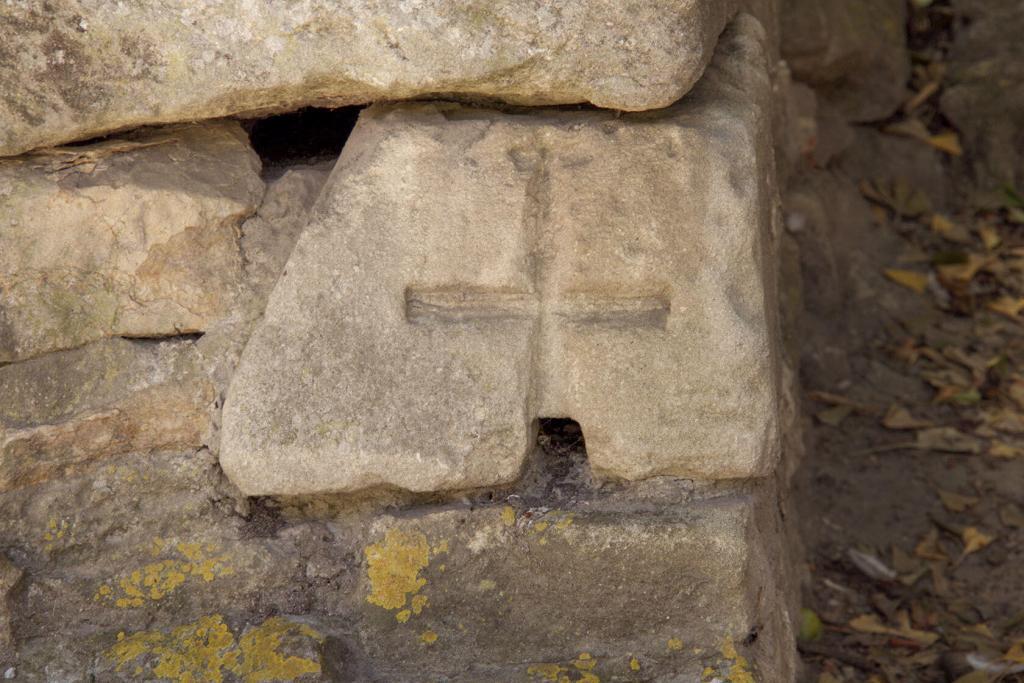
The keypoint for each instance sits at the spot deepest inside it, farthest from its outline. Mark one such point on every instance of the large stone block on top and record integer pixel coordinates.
(132, 237)
(74, 69)
(467, 271)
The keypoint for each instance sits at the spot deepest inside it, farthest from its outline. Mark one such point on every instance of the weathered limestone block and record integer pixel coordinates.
(468, 271)
(60, 412)
(500, 594)
(134, 237)
(75, 69)
(131, 560)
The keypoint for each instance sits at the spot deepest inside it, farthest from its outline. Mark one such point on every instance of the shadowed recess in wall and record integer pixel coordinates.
(307, 136)
(561, 458)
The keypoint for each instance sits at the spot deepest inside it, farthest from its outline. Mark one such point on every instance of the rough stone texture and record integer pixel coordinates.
(269, 237)
(138, 568)
(9, 576)
(853, 53)
(472, 271)
(76, 69)
(134, 237)
(984, 97)
(125, 562)
(62, 411)
(446, 595)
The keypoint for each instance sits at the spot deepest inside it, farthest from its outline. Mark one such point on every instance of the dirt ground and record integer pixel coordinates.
(911, 495)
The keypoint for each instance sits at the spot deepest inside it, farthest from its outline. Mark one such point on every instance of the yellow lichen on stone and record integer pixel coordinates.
(565, 522)
(731, 668)
(157, 580)
(402, 616)
(428, 637)
(561, 674)
(508, 515)
(260, 659)
(56, 530)
(129, 648)
(634, 664)
(556, 520)
(585, 662)
(418, 602)
(394, 567)
(206, 649)
(197, 652)
(547, 672)
(201, 564)
(675, 644)
(739, 671)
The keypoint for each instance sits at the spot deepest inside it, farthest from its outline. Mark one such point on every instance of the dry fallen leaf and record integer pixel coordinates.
(990, 237)
(833, 416)
(962, 273)
(954, 232)
(975, 540)
(910, 279)
(898, 417)
(1016, 392)
(1001, 449)
(1005, 420)
(929, 89)
(910, 128)
(981, 629)
(928, 547)
(1016, 653)
(954, 502)
(869, 623)
(896, 195)
(947, 440)
(948, 142)
(1006, 305)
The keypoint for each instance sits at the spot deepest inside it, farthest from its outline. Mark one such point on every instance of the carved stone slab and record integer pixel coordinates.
(468, 271)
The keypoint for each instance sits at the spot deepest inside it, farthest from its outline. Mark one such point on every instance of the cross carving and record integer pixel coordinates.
(545, 303)
(464, 304)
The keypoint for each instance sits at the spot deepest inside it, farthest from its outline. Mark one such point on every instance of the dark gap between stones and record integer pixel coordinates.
(157, 338)
(306, 136)
(561, 458)
(561, 437)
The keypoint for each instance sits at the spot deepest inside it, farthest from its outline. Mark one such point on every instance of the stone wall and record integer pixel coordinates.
(501, 392)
